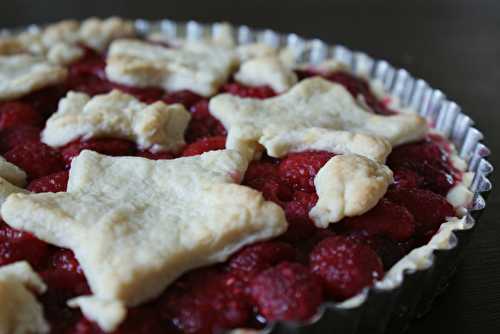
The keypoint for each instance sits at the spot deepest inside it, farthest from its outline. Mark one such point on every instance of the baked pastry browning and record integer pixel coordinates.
(196, 181)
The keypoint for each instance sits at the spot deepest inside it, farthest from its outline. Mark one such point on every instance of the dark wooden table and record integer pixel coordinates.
(453, 44)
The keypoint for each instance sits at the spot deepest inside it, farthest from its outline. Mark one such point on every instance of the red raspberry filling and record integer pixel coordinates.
(253, 259)
(287, 292)
(17, 246)
(387, 219)
(15, 114)
(52, 183)
(108, 146)
(423, 165)
(206, 301)
(204, 145)
(155, 156)
(297, 170)
(202, 123)
(300, 226)
(12, 137)
(185, 97)
(46, 100)
(429, 209)
(36, 159)
(258, 92)
(281, 279)
(345, 266)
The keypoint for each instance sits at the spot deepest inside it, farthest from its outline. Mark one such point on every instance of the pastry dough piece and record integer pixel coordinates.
(12, 173)
(20, 312)
(198, 67)
(313, 102)
(157, 127)
(348, 185)
(279, 144)
(64, 53)
(135, 225)
(7, 188)
(98, 33)
(266, 71)
(23, 74)
(59, 42)
(255, 50)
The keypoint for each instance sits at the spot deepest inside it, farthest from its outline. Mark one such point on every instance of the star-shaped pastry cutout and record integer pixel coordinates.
(156, 127)
(135, 225)
(20, 312)
(23, 74)
(198, 67)
(12, 178)
(313, 102)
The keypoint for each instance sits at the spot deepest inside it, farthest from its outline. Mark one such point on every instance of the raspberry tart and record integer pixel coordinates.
(155, 179)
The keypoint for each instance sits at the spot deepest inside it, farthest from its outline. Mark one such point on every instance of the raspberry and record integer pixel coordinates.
(64, 283)
(429, 163)
(261, 169)
(359, 87)
(202, 123)
(92, 63)
(256, 258)
(271, 188)
(64, 275)
(300, 226)
(12, 137)
(388, 250)
(65, 279)
(64, 259)
(45, 101)
(85, 326)
(15, 114)
(108, 146)
(88, 75)
(36, 159)
(406, 178)
(140, 320)
(185, 97)
(345, 266)
(205, 145)
(287, 291)
(52, 183)
(423, 151)
(435, 179)
(259, 92)
(429, 209)
(16, 246)
(385, 219)
(306, 245)
(89, 85)
(298, 170)
(143, 320)
(155, 156)
(206, 301)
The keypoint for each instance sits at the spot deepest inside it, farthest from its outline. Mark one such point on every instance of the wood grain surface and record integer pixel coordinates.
(453, 44)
